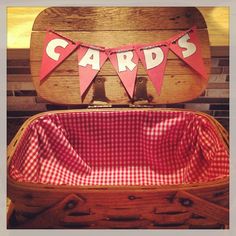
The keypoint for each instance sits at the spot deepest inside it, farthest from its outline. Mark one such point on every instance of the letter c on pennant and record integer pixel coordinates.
(52, 45)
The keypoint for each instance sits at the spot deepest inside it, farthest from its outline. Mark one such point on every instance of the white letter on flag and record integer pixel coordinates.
(52, 45)
(91, 57)
(124, 60)
(153, 57)
(191, 48)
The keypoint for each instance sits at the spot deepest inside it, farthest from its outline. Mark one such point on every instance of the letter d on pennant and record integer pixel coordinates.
(153, 58)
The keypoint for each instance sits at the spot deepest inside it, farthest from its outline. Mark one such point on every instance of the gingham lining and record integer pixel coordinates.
(120, 148)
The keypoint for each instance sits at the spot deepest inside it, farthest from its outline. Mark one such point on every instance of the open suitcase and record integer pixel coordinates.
(119, 163)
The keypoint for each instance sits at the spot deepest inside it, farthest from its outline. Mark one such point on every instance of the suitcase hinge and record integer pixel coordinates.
(141, 97)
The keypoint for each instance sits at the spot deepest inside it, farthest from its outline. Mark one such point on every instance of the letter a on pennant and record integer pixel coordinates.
(154, 58)
(187, 47)
(91, 59)
(56, 49)
(125, 62)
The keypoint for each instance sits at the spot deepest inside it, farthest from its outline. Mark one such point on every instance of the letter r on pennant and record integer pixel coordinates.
(124, 60)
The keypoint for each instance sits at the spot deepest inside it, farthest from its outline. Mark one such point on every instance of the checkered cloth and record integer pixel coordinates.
(120, 148)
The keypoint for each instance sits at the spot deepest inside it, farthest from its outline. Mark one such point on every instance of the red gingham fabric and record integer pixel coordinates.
(120, 148)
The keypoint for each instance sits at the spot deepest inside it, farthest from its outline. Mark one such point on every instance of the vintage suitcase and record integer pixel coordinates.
(119, 163)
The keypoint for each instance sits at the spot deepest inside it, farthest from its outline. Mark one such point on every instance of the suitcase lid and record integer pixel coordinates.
(113, 27)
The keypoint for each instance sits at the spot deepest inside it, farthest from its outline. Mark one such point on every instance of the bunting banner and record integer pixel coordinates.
(124, 59)
(125, 62)
(55, 50)
(154, 58)
(90, 61)
(187, 47)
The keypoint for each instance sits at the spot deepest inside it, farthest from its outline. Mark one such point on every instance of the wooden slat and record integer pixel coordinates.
(25, 103)
(20, 86)
(84, 218)
(176, 88)
(22, 63)
(165, 218)
(29, 209)
(115, 39)
(18, 70)
(124, 211)
(18, 54)
(139, 224)
(117, 18)
(205, 208)
(19, 78)
(220, 51)
(218, 86)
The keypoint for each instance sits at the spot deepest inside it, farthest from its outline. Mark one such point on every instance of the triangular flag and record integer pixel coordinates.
(154, 58)
(55, 50)
(91, 59)
(125, 61)
(186, 46)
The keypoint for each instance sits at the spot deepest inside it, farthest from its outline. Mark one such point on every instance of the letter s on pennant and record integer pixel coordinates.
(190, 47)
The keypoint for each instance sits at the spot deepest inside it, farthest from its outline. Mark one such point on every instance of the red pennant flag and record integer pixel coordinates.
(154, 58)
(125, 62)
(186, 46)
(55, 50)
(91, 60)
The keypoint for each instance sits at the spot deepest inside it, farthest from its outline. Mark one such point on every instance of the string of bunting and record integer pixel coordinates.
(124, 59)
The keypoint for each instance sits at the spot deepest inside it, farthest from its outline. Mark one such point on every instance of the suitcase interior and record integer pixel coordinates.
(120, 148)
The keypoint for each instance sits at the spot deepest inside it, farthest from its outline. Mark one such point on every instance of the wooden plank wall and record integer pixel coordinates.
(23, 101)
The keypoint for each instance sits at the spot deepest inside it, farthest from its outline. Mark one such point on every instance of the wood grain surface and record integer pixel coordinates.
(20, 21)
(118, 18)
(112, 27)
